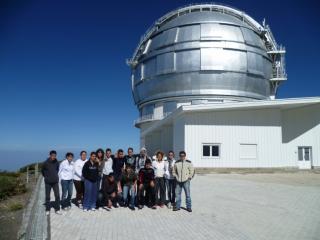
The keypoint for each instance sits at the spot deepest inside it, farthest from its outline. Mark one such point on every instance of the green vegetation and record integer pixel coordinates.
(11, 184)
(15, 207)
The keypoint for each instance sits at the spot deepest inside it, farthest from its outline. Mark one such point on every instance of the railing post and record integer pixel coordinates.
(36, 171)
(27, 175)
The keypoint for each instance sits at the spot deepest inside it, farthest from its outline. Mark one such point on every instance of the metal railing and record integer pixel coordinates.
(151, 117)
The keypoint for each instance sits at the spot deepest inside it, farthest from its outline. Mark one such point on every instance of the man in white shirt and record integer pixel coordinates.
(78, 179)
(107, 165)
(66, 172)
(160, 170)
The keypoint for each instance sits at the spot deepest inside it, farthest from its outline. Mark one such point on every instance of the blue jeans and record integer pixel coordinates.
(67, 187)
(186, 187)
(125, 191)
(90, 194)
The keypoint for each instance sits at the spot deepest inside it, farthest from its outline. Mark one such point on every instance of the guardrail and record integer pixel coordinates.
(151, 117)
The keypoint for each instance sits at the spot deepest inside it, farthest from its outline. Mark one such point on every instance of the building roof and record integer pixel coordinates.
(283, 104)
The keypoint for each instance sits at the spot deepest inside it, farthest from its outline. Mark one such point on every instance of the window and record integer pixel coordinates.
(304, 153)
(248, 150)
(211, 150)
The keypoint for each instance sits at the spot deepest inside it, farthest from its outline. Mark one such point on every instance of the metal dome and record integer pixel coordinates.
(204, 53)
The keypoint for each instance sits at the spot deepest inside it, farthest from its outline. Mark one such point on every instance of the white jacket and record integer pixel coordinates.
(78, 165)
(160, 168)
(66, 170)
(107, 168)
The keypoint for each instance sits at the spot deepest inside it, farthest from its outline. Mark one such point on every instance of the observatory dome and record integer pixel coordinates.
(199, 54)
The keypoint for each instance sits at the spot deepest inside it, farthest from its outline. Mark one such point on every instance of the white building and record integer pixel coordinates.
(260, 134)
(204, 79)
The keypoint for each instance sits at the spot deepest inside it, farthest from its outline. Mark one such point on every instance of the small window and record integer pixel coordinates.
(211, 150)
(215, 151)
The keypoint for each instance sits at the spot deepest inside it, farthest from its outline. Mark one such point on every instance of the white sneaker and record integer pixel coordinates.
(93, 209)
(80, 206)
(47, 213)
(85, 210)
(59, 212)
(169, 205)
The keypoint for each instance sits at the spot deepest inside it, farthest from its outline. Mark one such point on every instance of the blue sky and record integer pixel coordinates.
(64, 83)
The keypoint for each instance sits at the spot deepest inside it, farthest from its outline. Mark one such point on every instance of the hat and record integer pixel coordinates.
(143, 149)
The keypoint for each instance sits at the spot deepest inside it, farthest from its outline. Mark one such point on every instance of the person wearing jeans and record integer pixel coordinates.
(66, 171)
(90, 173)
(170, 179)
(50, 169)
(183, 171)
(129, 182)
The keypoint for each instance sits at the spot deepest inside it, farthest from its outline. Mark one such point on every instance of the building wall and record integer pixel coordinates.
(179, 135)
(301, 127)
(159, 140)
(230, 129)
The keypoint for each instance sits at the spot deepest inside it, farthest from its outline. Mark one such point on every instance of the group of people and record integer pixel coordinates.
(106, 180)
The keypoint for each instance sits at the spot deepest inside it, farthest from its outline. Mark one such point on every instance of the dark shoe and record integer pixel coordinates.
(132, 208)
(154, 207)
(189, 209)
(176, 209)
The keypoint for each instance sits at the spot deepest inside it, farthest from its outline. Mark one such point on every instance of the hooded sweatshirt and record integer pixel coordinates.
(90, 171)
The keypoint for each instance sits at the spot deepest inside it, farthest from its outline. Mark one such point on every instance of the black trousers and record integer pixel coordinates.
(55, 187)
(146, 195)
(171, 190)
(79, 185)
(160, 190)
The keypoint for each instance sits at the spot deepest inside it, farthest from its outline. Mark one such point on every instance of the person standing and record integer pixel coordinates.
(141, 159)
(107, 165)
(50, 169)
(100, 161)
(130, 159)
(183, 171)
(90, 173)
(66, 172)
(118, 168)
(129, 182)
(160, 170)
(78, 179)
(146, 193)
(170, 179)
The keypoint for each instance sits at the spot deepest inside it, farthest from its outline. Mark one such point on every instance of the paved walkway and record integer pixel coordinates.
(225, 206)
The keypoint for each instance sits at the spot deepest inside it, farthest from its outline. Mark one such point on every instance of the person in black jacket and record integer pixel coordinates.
(110, 189)
(146, 184)
(50, 171)
(90, 173)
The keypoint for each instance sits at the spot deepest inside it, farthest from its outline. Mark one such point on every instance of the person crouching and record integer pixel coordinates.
(110, 189)
(146, 184)
(129, 182)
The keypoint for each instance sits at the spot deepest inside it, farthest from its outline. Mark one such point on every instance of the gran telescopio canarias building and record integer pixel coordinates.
(205, 79)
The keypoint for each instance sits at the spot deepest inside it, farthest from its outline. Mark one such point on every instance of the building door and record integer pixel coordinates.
(305, 157)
